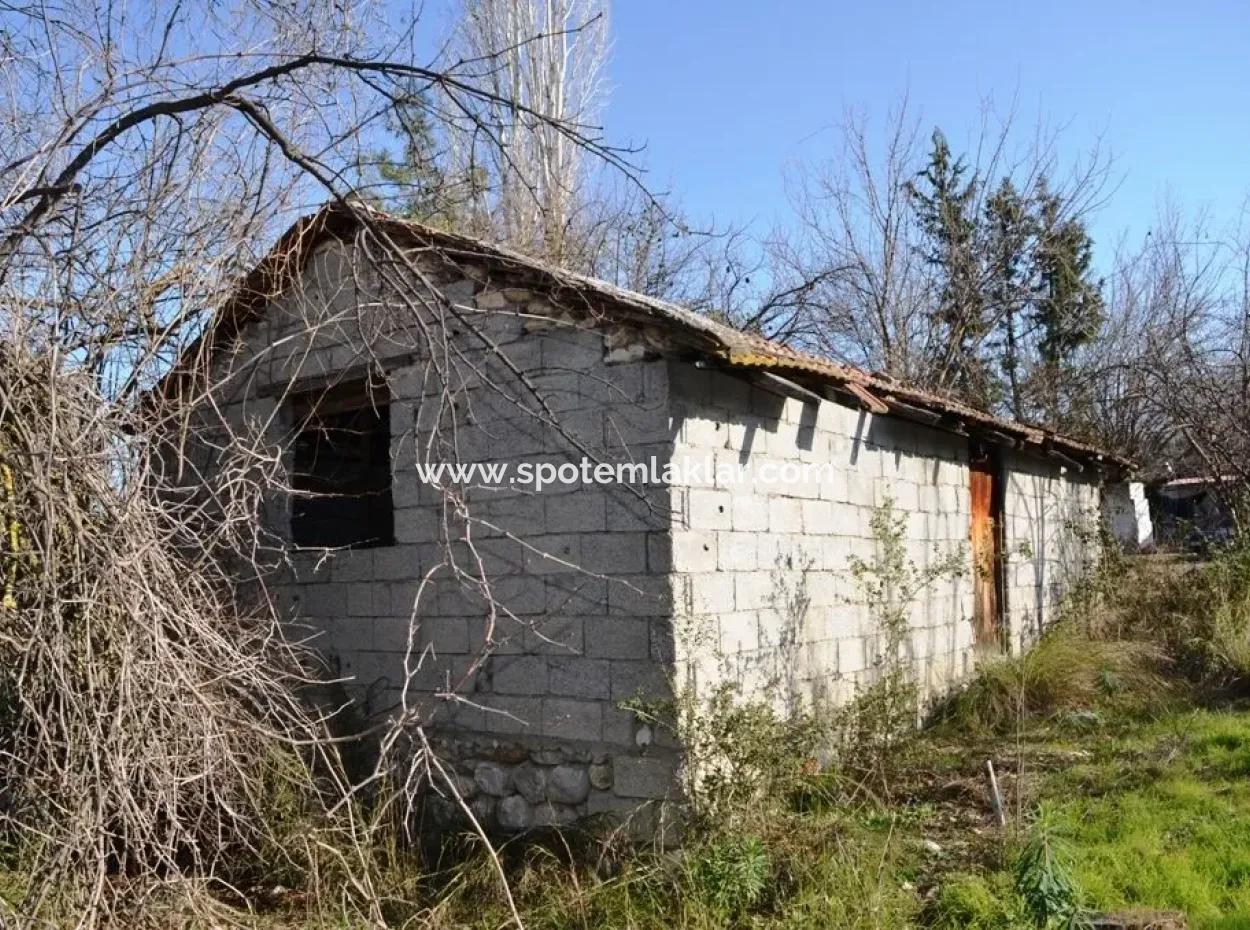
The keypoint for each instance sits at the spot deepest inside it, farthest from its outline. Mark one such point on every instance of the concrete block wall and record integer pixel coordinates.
(1051, 519)
(517, 621)
(767, 598)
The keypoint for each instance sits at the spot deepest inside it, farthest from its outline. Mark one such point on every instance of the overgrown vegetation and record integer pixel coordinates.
(1120, 795)
(1067, 672)
(888, 586)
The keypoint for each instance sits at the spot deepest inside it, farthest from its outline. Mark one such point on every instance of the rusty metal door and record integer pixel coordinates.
(987, 549)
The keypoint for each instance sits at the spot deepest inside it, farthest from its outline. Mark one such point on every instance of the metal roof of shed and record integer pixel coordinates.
(729, 347)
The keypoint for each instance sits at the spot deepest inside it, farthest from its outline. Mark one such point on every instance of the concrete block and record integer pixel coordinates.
(663, 647)
(739, 631)
(522, 595)
(617, 637)
(329, 600)
(694, 551)
(711, 593)
(818, 518)
(710, 509)
(640, 596)
(571, 719)
(403, 598)
(643, 777)
(518, 512)
(556, 636)
(518, 674)
(506, 636)
(626, 512)
(750, 513)
(418, 524)
(390, 635)
(614, 553)
(395, 563)
(579, 677)
(737, 552)
(618, 726)
(573, 350)
(638, 432)
(704, 432)
(352, 565)
(647, 680)
(360, 598)
(754, 591)
(861, 488)
(445, 635)
(576, 593)
(560, 552)
(582, 511)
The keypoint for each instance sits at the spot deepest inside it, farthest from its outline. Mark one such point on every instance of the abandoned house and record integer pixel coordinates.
(536, 616)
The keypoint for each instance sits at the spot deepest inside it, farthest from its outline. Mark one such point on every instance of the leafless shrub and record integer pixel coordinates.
(156, 756)
(154, 749)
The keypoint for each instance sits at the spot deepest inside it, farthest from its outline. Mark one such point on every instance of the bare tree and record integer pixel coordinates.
(546, 56)
(149, 692)
(1171, 376)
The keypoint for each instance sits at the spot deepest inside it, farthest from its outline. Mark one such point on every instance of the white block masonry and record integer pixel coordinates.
(1126, 515)
(767, 599)
(523, 623)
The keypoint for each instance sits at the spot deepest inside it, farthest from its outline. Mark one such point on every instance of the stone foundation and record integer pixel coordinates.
(512, 787)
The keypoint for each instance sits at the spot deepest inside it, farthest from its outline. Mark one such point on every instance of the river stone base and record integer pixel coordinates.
(514, 787)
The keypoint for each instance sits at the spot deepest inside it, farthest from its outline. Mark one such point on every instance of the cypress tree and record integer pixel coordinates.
(1069, 306)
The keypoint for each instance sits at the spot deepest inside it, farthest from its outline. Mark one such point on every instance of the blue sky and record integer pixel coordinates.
(726, 94)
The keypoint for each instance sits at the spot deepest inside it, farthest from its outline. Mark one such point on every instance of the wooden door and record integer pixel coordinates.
(987, 550)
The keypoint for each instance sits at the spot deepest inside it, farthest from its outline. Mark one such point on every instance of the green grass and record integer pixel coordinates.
(1161, 818)
(1154, 814)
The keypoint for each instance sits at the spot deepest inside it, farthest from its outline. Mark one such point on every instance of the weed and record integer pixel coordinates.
(742, 758)
(888, 585)
(1044, 881)
(977, 902)
(1199, 613)
(730, 875)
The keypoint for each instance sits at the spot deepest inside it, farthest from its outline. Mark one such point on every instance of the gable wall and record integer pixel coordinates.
(578, 609)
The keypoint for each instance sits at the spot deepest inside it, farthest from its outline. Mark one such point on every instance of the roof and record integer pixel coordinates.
(716, 342)
(1198, 481)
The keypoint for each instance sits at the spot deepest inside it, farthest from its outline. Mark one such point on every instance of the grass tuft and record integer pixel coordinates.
(1067, 671)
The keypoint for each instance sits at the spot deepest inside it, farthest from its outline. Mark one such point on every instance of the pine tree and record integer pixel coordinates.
(944, 203)
(1069, 307)
(417, 182)
(1008, 236)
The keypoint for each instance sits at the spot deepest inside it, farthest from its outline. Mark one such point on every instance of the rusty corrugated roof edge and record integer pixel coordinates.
(734, 348)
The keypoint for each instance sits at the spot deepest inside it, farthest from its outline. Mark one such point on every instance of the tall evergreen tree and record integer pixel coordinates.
(1069, 307)
(418, 182)
(944, 201)
(1008, 238)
